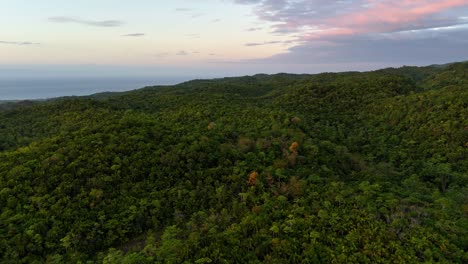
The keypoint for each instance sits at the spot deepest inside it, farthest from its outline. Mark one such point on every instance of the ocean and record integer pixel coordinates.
(43, 88)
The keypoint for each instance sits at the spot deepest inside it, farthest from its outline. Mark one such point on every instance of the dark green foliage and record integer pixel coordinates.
(330, 168)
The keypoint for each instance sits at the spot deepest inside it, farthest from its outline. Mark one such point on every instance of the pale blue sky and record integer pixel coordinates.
(176, 32)
(226, 37)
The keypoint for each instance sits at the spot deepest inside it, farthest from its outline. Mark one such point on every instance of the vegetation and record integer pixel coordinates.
(333, 168)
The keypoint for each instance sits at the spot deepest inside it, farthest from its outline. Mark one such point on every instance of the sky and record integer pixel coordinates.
(226, 37)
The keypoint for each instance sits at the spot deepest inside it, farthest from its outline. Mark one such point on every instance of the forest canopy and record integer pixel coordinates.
(348, 167)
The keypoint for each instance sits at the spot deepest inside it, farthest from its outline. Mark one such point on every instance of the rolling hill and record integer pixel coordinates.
(348, 167)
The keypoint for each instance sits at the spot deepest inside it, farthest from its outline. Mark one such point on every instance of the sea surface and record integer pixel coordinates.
(43, 88)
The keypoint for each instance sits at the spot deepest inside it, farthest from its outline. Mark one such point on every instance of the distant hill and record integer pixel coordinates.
(10, 104)
(354, 167)
(7, 101)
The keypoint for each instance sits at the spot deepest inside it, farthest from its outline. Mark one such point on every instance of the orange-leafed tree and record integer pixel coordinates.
(294, 146)
(252, 178)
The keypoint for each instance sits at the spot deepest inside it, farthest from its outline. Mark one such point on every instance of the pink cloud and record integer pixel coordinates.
(329, 32)
(323, 18)
(438, 6)
(368, 31)
(386, 16)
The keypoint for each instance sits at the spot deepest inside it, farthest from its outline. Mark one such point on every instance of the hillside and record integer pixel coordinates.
(330, 168)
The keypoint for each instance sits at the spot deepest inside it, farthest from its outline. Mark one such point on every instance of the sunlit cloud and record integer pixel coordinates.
(353, 17)
(95, 23)
(134, 35)
(366, 30)
(254, 29)
(18, 43)
(182, 53)
(253, 44)
(162, 54)
(193, 35)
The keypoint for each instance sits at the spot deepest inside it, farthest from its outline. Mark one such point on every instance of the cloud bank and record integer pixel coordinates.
(381, 31)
